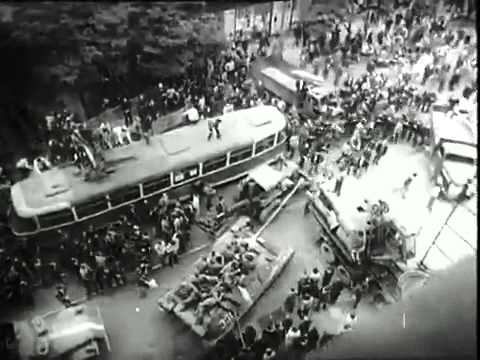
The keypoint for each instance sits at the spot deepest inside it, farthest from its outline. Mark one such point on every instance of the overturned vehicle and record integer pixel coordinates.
(75, 333)
(363, 241)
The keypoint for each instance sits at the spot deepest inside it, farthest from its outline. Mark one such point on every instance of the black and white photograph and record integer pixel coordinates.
(234, 180)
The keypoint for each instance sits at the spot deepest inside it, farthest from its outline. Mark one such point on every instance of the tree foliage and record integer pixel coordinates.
(115, 37)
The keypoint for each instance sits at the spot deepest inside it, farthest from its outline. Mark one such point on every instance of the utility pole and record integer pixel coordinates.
(271, 19)
(292, 5)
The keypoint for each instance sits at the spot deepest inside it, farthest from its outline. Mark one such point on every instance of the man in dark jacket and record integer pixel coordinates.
(127, 111)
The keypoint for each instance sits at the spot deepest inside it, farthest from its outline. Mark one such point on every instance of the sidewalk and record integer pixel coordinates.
(115, 117)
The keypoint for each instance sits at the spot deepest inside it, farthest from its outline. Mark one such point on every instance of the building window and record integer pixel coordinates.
(241, 154)
(186, 174)
(214, 164)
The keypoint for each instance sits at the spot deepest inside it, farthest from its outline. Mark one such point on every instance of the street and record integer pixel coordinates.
(149, 333)
(445, 243)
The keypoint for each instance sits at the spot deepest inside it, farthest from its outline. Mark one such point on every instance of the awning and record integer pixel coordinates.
(266, 177)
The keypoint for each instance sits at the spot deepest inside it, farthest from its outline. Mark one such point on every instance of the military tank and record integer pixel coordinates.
(244, 267)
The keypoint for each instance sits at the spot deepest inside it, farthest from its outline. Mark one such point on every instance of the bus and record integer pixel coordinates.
(172, 163)
(453, 150)
(283, 85)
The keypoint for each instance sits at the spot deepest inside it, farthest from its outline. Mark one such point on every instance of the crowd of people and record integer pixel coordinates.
(103, 257)
(377, 112)
(210, 287)
(293, 330)
(374, 109)
(145, 237)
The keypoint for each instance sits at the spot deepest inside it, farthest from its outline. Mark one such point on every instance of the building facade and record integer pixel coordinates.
(270, 17)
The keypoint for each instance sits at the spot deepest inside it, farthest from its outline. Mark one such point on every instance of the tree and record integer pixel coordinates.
(61, 41)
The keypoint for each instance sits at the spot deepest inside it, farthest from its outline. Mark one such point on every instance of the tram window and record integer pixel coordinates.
(124, 195)
(241, 154)
(56, 218)
(214, 164)
(20, 224)
(265, 144)
(152, 186)
(91, 207)
(186, 174)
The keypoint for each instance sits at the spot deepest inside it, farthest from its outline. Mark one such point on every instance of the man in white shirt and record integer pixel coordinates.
(435, 192)
(122, 135)
(169, 253)
(292, 336)
(24, 164)
(350, 320)
(159, 247)
(175, 247)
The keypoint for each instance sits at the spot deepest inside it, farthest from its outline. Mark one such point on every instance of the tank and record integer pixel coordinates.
(75, 333)
(262, 265)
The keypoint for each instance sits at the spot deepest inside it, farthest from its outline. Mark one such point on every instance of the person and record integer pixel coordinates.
(188, 295)
(338, 184)
(306, 305)
(127, 111)
(269, 354)
(312, 338)
(357, 294)
(327, 276)
(62, 295)
(122, 135)
(290, 301)
(87, 275)
(169, 253)
(160, 250)
(209, 193)
(435, 192)
(293, 334)
(249, 335)
(406, 185)
(220, 207)
(175, 247)
(350, 319)
(304, 325)
(213, 125)
(142, 283)
(146, 125)
(468, 191)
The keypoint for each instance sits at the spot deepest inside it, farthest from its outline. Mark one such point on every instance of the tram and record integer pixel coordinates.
(172, 162)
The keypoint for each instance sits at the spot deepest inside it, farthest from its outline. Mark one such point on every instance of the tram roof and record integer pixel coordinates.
(59, 188)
